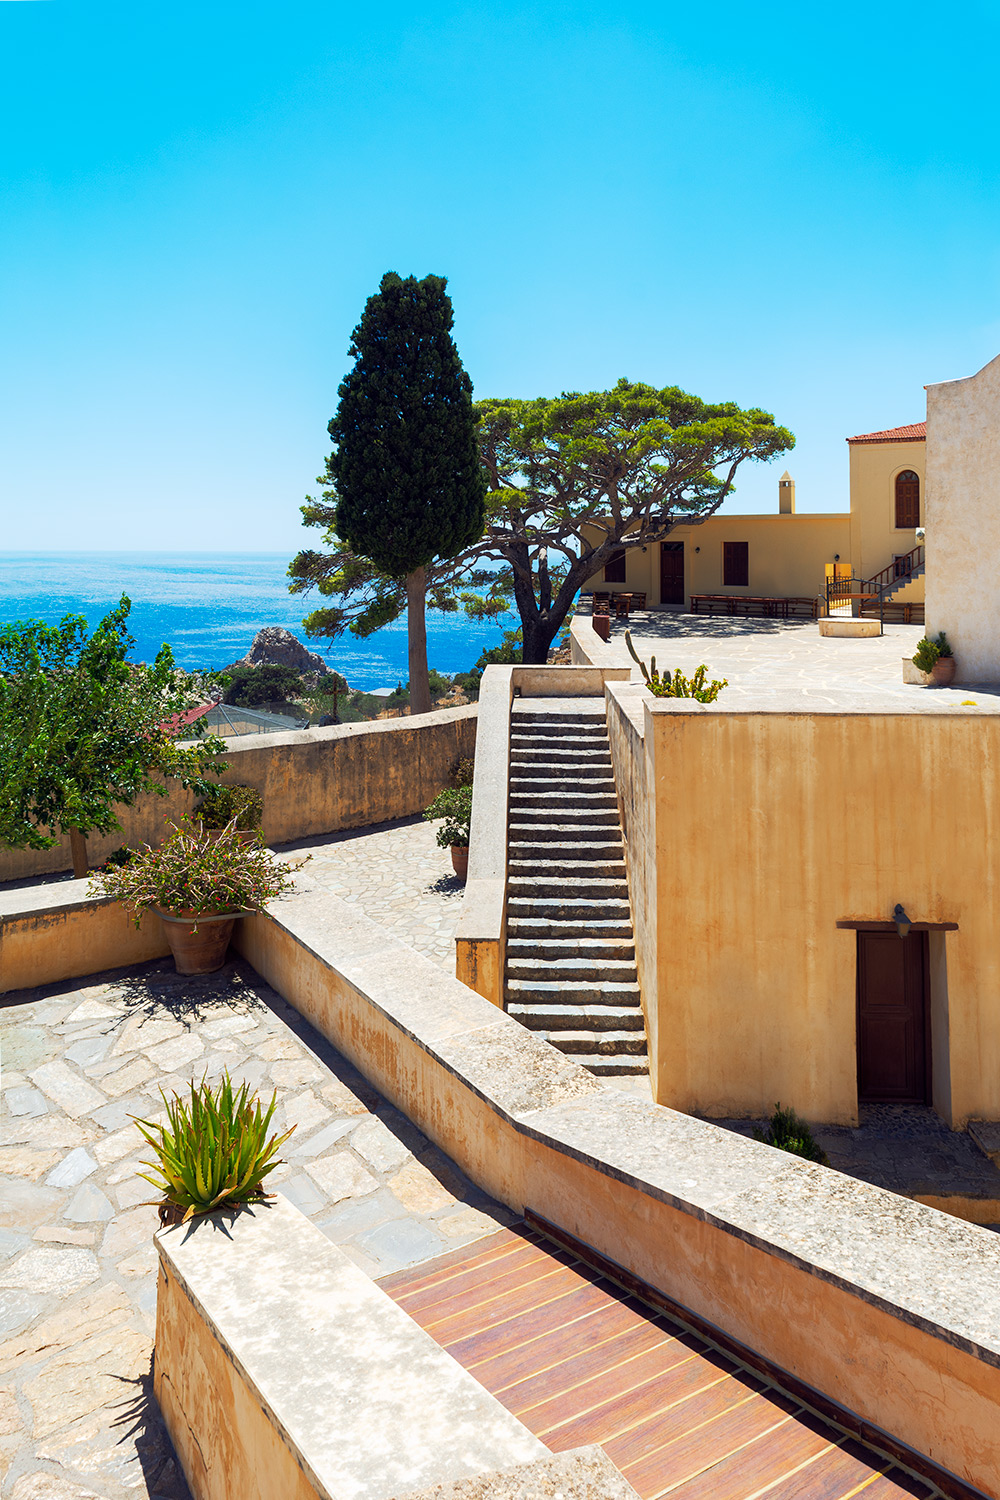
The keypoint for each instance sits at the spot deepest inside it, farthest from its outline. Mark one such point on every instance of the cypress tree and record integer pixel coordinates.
(410, 485)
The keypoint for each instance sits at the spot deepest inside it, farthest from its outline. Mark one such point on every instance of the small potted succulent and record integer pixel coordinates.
(198, 883)
(935, 657)
(454, 807)
(213, 1153)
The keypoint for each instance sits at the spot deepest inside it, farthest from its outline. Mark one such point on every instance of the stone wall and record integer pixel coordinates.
(313, 781)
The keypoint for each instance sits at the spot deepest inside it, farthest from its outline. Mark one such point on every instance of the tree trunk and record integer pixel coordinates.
(537, 637)
(416, 629)
(78, 851)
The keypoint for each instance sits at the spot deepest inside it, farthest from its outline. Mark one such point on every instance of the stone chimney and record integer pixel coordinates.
(786, 495)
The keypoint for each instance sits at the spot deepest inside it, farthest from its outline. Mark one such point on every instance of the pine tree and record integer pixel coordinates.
(410, 487)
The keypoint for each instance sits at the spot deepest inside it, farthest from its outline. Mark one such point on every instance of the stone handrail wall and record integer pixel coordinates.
(480, 939)
(885, 1305)
(313, 781)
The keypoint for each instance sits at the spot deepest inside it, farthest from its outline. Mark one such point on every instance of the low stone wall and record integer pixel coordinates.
(313, 781)
(884, 1305)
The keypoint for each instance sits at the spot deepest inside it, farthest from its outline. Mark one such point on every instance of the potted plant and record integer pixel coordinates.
(454, 806)
(935, 657)
(198, 884)
(211, 1154)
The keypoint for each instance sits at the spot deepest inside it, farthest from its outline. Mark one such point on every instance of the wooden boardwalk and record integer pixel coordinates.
(578, 1361)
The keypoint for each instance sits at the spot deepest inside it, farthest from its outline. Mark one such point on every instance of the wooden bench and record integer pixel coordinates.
(781, 608)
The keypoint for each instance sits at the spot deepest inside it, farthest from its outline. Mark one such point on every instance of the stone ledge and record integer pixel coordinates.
(580, 1474)
(365, 1402)
(856, 629)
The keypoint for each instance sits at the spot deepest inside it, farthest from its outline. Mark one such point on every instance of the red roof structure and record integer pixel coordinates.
(915, 433)
(177, 722)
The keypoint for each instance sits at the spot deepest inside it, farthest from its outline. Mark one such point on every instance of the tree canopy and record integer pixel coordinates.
(82, 729)
(572, 480)
(405, 468)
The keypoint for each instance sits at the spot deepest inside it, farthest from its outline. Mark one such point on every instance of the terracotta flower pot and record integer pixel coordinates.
(198, 944)
(460, 860)
(943, 671)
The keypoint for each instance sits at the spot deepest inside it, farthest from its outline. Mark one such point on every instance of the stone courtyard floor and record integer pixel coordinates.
(77, 1262)
(765, 660)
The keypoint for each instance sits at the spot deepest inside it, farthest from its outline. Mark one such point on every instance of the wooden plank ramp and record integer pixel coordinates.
(579, 1360)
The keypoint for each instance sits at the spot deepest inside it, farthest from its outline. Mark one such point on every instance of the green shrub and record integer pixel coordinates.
(249, 686)
(117, 857)
(788, 1133)
(454, 805)
(213, 1153)
(463, 771)
(928, 651)
(243, 805)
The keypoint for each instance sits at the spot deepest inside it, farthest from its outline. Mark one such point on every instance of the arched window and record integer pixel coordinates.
(907, 500)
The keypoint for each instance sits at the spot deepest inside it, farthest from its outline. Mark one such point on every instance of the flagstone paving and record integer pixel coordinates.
(77, 1262)
(398, 876)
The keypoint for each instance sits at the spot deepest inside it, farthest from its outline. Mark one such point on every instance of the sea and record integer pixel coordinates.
(209, 605)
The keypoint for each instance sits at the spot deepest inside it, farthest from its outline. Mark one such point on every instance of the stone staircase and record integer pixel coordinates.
(570, 951)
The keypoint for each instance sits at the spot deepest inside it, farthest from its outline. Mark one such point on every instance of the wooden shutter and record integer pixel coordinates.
(736, 564)
(614, 568)
(907, 500)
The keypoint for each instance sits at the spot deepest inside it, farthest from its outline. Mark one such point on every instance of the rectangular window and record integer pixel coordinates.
(736, 564)
(614, 568)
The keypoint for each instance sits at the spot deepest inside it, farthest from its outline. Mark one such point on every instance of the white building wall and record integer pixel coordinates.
(963, 520)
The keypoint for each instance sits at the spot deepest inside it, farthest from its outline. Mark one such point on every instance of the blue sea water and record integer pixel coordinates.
(209, 606)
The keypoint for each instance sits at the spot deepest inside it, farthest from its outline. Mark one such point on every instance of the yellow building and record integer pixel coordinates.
(787, 556)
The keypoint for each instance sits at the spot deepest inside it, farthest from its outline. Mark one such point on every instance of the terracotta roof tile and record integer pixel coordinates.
(915, 433)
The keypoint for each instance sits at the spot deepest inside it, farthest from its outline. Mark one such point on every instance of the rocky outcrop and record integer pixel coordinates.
(274, 646)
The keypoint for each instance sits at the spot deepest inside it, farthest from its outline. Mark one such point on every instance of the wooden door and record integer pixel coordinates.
(893, 1019)
(671, 572)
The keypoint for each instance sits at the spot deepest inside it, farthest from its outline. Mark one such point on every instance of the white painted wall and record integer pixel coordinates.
(963, 520)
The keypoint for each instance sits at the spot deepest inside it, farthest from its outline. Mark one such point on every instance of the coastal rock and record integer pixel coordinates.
(275, 646)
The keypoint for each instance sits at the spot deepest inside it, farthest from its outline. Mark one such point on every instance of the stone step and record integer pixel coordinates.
(598, 834)
(558, 782)
(550, 770)
(564, 759)
(542, 812)
(623, 1066)
(603, 1043)
(621, 949)
(521, 714)
(594, 970)
(542, 932)
(595, 730)
(568, 991)
(573, 1017)
(529, 886)
(547, 865)
(571, 799)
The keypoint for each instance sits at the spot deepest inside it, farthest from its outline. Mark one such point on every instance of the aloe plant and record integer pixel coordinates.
(213, 1153)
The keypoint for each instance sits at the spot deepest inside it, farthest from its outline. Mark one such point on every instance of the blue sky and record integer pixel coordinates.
(786, 206)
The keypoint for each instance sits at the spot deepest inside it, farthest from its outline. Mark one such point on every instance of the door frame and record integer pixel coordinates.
(674, 548)
(916, 931)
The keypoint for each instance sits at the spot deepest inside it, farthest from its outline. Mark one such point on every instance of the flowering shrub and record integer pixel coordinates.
(193, 872)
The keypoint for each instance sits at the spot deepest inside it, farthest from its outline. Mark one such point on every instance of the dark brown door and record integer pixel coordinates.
(893, 1019)
(907, 500)
(671, 572)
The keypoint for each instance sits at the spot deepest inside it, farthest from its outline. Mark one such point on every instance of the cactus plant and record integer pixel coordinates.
(674, 684)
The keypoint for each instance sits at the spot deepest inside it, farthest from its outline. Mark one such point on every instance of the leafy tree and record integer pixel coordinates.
(572, 481)
(405, 469)
(576, 479)
(268, 683)
(82, 729)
